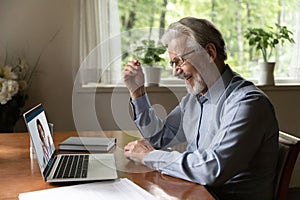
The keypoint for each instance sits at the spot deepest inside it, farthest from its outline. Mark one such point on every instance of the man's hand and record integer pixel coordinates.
(138, 150)
(133, 77)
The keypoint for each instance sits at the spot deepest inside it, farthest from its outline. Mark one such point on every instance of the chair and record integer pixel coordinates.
(289, 147)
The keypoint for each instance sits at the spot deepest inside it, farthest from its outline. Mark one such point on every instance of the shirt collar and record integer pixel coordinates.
(217, 89)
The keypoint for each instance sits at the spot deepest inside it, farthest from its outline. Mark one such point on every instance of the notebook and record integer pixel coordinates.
(65, 167)
(88, 144)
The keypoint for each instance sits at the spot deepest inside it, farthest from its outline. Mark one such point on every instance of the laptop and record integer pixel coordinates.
(65, 167)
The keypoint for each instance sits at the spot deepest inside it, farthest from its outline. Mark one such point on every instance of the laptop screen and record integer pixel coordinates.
(41, 137)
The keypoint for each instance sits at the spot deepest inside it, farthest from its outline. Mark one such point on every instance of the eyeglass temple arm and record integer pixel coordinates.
(185, 54)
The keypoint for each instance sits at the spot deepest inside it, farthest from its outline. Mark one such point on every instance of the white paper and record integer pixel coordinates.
(113, 190)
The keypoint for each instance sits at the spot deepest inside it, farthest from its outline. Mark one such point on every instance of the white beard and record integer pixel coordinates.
(199, 85)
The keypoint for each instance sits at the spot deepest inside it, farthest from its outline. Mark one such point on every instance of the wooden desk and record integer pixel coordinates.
(19, 172)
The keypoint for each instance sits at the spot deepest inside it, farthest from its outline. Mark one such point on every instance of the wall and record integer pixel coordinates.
(26, 26)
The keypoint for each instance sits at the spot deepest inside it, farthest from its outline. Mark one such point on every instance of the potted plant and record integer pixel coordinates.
(149, 54)
(265, 41)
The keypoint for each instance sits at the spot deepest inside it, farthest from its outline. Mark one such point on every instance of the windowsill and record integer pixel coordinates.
(121, 88)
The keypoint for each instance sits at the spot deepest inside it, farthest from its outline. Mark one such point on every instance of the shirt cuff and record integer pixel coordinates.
(152, 159)
(140, 105)
(163, 161)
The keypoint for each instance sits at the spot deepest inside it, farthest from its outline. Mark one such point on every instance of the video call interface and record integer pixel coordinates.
(41, 136)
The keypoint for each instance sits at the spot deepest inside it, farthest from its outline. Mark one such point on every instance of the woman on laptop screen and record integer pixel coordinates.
(45, 141)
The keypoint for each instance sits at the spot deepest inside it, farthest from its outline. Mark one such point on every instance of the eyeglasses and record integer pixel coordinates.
(178, 61)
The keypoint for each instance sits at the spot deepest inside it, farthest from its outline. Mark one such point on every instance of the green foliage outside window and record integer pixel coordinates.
(232, 17)
(266, 40)
(150, 53)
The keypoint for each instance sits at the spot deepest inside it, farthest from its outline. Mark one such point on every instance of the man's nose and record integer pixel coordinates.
(177, 70)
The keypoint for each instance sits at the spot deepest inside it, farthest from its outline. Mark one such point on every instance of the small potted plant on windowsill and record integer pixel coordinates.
(265, 41)
(149, 54)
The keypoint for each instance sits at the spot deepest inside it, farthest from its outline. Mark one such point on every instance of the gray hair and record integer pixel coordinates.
(200, 30)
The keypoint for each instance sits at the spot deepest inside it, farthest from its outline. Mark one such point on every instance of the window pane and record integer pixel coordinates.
(232, 17)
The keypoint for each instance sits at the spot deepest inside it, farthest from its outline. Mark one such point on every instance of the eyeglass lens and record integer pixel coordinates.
(179, 60)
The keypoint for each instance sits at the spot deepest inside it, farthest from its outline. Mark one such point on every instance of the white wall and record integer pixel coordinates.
(27, 25)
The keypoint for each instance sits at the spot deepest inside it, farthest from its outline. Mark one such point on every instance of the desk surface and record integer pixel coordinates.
(19, 172)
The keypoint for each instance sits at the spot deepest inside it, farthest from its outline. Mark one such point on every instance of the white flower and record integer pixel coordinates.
(7, 73)
(21, 69)
(12, 80)
(8, 88)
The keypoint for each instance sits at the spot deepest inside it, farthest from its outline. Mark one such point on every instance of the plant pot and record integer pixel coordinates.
(266, 73)
(152, 75)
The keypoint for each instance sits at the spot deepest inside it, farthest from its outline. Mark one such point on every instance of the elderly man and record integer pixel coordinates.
(229, 124)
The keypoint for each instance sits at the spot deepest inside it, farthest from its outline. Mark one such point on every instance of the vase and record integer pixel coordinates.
(152, 75)
(10, 113)
(266, 73)
(8, 118)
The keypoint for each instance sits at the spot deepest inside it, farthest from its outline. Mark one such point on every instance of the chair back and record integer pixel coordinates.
(289, 147)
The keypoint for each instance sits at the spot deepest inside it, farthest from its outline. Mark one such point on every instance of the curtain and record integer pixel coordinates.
(295, 59)
(99, 42)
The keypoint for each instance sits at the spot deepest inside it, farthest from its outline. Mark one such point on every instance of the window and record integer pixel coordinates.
(100, 43)
(146, 19)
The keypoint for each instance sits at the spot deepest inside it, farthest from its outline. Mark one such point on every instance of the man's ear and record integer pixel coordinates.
(211, 50)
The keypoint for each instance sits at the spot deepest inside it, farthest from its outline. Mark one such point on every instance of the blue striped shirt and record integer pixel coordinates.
(232, 137)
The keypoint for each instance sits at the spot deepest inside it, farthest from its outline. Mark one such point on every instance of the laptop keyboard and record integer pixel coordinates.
(72, 166)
